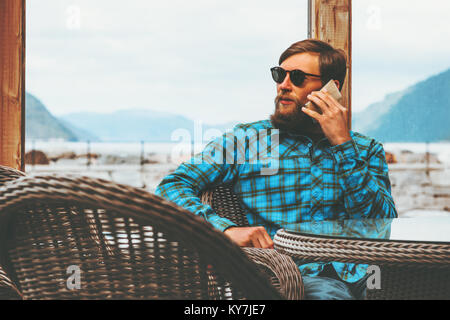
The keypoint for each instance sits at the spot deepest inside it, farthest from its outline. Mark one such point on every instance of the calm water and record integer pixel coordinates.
(52, 148)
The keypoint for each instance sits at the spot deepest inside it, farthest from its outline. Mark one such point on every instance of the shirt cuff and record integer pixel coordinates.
(220, 223)
(345, 151)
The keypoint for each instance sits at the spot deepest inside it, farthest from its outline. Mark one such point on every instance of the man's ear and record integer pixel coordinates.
(337, 84)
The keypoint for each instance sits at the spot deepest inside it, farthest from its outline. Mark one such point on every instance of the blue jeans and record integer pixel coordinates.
(328, 286)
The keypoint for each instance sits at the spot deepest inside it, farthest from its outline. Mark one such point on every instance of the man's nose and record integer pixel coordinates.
(286, 84)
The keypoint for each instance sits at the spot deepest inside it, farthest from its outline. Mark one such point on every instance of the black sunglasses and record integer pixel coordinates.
(297, 76)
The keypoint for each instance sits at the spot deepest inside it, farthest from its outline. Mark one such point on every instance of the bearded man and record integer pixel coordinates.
(324, 171)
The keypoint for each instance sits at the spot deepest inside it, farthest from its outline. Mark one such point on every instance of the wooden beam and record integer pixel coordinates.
(12, 83)
(331, 21)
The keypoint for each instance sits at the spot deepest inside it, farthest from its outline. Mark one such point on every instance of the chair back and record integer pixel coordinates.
(8, 291)
(69, 237)
(226, 204)
(8, 174)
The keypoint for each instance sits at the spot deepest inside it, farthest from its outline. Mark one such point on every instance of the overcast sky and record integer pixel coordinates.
(210, 60)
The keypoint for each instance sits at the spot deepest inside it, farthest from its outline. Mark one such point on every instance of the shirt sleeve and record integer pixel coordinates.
(366, 185)
(202, 171)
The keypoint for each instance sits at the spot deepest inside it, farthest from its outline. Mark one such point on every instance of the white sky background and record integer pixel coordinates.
(209, 60)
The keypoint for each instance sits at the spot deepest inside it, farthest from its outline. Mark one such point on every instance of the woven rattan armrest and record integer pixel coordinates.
(367, 251)
(408, 269)
(281, 269)
(8, 174)
(159, 250)
(8, 291)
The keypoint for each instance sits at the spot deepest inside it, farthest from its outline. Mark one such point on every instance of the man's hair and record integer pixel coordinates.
(332, 62)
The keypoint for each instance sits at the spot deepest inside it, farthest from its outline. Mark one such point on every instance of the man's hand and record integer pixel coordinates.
(334, 117)
(250, 237)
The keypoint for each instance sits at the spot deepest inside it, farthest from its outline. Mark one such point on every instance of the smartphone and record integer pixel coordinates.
(332, 90)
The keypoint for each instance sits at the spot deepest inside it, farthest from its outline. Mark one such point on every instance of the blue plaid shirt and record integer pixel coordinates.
(310, 182)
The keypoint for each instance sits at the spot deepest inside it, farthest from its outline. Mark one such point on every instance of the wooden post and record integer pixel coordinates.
(12, 83)
(331, 21)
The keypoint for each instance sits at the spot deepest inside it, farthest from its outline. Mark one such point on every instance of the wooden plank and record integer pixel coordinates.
(12, 83)
(331, 21)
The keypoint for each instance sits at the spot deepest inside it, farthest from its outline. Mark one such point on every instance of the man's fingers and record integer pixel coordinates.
(258, 238)
(312, 113)
(342, 108)
(256, 243)
(250, 237)
(261, 239)
(332, 102)
(314, 97)
(325, 96)
(266, 240)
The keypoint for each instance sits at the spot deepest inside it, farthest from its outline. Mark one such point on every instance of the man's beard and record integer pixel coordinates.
(296, 122)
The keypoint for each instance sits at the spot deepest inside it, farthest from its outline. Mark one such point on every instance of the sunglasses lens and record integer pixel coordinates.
(297, 77)
(278, 74)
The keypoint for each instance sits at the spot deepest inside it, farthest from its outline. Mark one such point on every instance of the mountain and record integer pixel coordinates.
(136, 125)
(41, 124)
(421, 113)
(365, 120)
(82, 135)
(123, 125)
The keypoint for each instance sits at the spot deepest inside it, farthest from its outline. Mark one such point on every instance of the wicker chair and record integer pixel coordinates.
(409, 270)
(8, 291)
(281, 269)
(124, 242)
(8, 174)
(399, 262)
